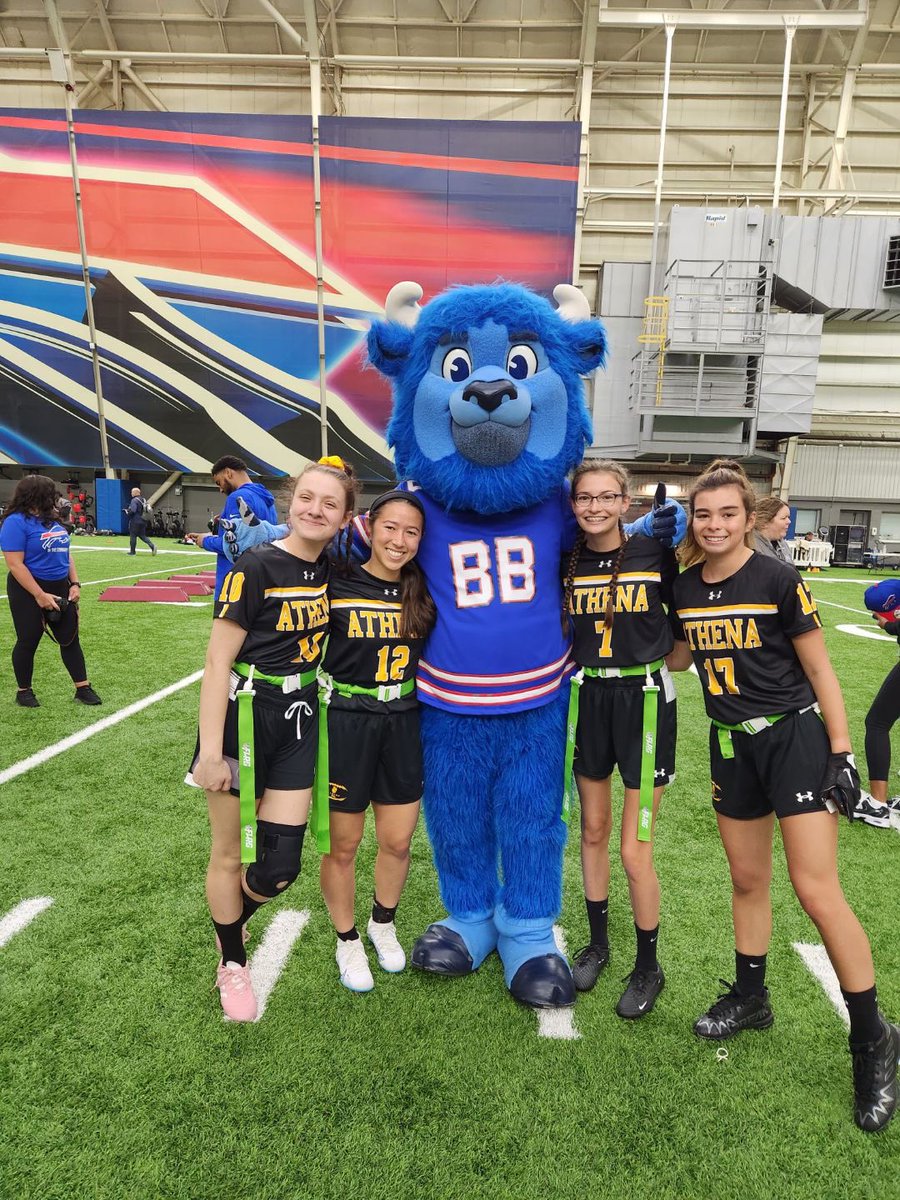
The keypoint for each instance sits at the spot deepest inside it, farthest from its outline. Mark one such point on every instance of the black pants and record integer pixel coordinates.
(138, 529)
(28, 620)
(880, 718)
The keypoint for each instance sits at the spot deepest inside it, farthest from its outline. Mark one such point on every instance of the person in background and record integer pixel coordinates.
(874, 807)
(231, 477)
(43, 587)
(773, 518)
(137, 513)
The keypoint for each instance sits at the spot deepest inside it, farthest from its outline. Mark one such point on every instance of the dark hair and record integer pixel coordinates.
(417, 610)
(35, 494)
(607, 467)
(347, 477)
(722, 472)
(228, 462)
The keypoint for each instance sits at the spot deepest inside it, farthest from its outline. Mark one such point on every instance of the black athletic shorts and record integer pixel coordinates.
(611, 724)
(779, 770)
(285, 738)
(373, 757)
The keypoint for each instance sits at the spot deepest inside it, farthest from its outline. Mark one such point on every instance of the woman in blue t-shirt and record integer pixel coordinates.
(42, 586)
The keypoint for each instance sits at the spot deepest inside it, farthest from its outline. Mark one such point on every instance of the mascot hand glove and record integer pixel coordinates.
(667, 524)
(840, 786)
(247, 532)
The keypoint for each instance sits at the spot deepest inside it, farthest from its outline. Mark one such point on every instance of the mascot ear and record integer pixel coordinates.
(586, 337)
(389, 341)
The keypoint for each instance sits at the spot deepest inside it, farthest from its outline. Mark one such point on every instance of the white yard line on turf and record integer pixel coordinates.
(140, 553)
(272, 953)
(75, 739)
(557, 1022)
(860, 612)
(20, 916)
(819, 965)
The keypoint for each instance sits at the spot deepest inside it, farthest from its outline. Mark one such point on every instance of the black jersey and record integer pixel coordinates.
(739, 631)
(282, 602)
(364, 646)
(640, 631)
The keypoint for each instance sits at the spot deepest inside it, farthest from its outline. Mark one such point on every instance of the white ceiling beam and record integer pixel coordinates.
(282, 22)
(105, 25)
(149, 95)
(643, 18)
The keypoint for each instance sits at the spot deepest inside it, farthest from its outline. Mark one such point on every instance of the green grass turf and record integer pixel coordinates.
(118, 1077)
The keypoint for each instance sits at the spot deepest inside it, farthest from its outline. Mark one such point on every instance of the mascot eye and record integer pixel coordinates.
(457, 365)
(521, 362)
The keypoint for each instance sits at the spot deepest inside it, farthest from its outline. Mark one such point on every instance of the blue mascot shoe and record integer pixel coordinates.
(456, 945)
(535, 971)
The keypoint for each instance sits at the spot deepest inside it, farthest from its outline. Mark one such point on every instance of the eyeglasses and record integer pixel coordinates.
(605, 499)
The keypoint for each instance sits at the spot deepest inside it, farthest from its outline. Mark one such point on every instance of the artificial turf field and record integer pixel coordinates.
(119, 1078)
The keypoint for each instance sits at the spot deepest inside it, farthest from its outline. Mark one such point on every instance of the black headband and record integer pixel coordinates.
(396, 494)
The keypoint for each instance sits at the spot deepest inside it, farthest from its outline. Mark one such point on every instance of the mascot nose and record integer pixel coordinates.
(490, 395)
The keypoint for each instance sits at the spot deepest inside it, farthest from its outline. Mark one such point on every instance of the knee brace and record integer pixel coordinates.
(277, 858)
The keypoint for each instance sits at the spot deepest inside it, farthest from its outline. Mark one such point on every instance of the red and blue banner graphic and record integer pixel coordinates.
(201, 248)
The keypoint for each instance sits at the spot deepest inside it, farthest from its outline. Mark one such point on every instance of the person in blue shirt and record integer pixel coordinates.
(231, 477)
(42, 587)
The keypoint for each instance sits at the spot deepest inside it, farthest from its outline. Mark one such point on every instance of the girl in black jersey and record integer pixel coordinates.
(265, 647)
(779, 748)
(381, 613)
(615, 588)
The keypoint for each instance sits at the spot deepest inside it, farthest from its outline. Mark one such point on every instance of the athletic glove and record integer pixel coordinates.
(840, 786)
(247, 532)
(666, 524)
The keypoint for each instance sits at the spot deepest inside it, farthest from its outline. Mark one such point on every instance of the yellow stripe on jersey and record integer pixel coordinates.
(727, 610)
(625, 577)
(387, 605)
(287, 593)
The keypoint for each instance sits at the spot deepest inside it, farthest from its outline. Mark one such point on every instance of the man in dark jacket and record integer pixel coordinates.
(138, 512)
(232, 479)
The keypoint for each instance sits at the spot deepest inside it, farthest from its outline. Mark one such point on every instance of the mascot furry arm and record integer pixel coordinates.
(488, 419)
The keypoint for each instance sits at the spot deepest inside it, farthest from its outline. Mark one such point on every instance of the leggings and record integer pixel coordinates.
(28, 620)
(883, 714)
(138, 529)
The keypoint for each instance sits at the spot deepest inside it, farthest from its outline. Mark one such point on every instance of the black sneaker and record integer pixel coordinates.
(733, 1012)
(639, 997)
(872, 811)
(875, 1079)
(27, 698)
(587, 965)
(87, 695)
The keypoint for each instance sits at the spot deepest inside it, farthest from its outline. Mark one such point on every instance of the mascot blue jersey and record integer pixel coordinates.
(498, 644)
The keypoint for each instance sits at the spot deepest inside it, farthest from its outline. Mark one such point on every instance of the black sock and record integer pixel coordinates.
(350, 936)
(598, 917)
(250, 907)
(750, 970)
(232, 942)
(646, 949)
(865, 1023)
(381, 914)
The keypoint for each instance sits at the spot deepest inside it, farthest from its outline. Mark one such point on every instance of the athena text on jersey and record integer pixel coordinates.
(497, 645)
(282, 603)
(45, 547)
(640, 630)
(364, 644)
(739, 631)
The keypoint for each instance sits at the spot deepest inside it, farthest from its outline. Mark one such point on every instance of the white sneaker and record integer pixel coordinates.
(390, 953)
(872, 811)
(354, 966)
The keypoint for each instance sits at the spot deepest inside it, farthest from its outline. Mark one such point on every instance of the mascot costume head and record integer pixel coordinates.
(489, 416)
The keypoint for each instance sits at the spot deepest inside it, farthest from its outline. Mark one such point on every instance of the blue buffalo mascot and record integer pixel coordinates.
(488, 419)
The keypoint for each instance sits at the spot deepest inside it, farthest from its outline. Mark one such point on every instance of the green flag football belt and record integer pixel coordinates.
(753, 726)
(246, 760)
(648, 736)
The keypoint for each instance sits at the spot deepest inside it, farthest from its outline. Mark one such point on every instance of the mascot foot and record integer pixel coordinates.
(455, 946)
(544, 982)
(535, 971)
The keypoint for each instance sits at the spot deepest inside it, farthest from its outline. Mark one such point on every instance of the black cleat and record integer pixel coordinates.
(441, 951)
(544, 982)
(587, 965)
(875, 1079)
(639, 997)
(27, 699)
(87, 695)
(733, 1012)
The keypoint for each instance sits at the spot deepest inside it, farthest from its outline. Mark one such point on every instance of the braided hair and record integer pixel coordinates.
(603, 466)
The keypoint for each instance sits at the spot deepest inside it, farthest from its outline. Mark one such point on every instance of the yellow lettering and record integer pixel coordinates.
(355, 629)
(285, 623)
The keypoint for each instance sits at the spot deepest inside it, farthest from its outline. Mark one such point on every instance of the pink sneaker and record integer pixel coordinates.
(235, 992)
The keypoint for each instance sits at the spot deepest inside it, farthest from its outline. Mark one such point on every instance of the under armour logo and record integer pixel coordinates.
(391, 592)
(660, 774)
(309, 574)
(804, 797)
(606, 562)
(715, 595)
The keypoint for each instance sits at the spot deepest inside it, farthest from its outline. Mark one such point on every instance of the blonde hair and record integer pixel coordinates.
(607, 467)
(767, 509)
(722, 472)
